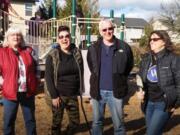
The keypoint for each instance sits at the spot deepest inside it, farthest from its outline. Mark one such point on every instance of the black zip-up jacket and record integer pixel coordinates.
(122, 63)
(168, 72)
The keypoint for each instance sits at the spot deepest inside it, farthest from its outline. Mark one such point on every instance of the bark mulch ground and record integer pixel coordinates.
(134, 118)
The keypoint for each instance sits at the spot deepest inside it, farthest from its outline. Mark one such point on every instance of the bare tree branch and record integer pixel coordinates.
(170, 15)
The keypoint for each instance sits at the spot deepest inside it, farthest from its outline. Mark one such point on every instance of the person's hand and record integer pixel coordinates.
(140, 94)
(56, 102)
(172, 110)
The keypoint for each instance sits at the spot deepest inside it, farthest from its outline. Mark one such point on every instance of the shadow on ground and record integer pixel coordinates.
(174, 121)
(136, 126)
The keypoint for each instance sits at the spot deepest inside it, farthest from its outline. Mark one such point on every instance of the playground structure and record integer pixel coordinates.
(42, 34)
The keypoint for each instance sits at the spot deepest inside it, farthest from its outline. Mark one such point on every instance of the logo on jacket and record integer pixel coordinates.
(152, 74)
(120, 50)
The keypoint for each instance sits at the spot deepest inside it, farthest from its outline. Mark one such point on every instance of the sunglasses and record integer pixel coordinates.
(108, 29)
(66, 36)
(155, 39)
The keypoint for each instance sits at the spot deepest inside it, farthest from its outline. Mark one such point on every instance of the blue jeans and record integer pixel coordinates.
(116, 109)
(156, 117)
(10, 113)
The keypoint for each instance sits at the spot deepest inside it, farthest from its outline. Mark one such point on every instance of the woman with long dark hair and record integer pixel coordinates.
(160, 74)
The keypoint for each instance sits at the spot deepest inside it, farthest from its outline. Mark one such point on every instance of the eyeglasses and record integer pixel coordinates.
(66, 36)
(155, 39)
(108, 29)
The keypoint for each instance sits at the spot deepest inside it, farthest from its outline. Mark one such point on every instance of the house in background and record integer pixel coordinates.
(25, 8)
(158, 25)
(134, 29)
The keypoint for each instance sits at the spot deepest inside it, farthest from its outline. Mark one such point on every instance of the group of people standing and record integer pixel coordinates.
(110, 61)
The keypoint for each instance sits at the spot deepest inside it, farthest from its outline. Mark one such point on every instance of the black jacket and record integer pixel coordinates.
(122, 65)
(168, 72)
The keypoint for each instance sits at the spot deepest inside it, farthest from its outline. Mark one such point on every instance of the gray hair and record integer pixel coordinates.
(13, 30)
(104, 21)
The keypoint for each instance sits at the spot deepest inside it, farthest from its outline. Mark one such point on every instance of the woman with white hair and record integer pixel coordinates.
(17, 67)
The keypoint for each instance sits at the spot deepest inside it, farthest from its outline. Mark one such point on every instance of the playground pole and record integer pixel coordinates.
(54, 20)
(89, 31)
(73, 27)
(54, 8)
(122, 26)
(112, 15)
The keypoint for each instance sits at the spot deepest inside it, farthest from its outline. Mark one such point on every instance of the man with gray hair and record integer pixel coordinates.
(110, 61)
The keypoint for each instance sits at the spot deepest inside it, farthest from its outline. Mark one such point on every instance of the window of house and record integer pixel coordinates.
(28, 9)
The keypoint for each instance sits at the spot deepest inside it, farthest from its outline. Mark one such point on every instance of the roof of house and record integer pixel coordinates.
(136, 22)
(132, 22)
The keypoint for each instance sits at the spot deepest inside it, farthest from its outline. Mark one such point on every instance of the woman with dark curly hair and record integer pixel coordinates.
(160, 74)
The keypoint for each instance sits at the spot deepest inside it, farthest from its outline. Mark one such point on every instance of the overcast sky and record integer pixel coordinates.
(131, 8)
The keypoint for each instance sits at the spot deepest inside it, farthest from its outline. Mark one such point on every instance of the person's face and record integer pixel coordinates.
(64, 40)
(14, 40)
(156, 43)
(107, 31)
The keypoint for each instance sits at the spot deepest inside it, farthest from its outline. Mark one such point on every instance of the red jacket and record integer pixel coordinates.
(10, 71)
